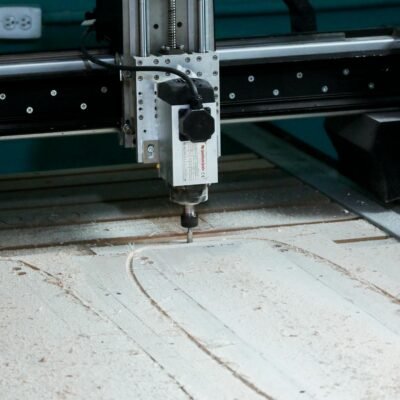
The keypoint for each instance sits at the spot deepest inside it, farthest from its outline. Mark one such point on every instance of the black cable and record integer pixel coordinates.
(302, 15)
(197, 99)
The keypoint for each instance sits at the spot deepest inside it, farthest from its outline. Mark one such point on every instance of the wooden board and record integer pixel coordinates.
(237, 318)
(119, 205)
(284, 294)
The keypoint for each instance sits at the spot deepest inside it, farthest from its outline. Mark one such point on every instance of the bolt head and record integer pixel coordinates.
(127, 130)
(150, 151)
(127, 75)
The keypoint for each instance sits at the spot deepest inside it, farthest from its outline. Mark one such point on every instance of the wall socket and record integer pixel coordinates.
(20, 22)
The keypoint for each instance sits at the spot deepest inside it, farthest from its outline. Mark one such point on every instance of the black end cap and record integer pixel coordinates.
(197, 125)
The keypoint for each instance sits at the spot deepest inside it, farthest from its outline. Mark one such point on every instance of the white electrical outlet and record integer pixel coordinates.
(20, 22)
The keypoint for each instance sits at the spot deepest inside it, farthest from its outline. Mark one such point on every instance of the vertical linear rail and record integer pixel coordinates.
(144, 28)
(203, 26)
(131, 44)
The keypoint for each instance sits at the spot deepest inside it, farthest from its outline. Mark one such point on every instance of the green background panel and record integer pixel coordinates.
(235, 18)
(61, 25)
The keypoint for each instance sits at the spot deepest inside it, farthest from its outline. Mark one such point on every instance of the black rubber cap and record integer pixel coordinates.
(189, 221)
(198, 126)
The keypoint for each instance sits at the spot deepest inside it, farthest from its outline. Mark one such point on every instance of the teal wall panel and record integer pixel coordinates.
(61, 153)
(237, 18)
(310, 131)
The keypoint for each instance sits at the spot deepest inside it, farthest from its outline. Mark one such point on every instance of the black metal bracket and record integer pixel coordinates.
(312, 86)
(267, 88)
(60, 103)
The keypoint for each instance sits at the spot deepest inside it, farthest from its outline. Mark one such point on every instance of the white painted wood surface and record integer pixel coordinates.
(235, 318)
(284, 295)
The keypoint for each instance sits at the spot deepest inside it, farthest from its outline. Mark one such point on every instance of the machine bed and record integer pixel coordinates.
(284, 295)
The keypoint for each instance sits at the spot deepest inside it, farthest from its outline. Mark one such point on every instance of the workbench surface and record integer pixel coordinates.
(283, 295)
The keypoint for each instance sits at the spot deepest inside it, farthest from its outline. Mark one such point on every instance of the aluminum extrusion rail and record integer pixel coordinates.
(242, 52)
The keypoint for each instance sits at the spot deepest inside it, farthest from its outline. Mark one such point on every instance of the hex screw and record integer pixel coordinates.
(276, 92)
(84, 106)
(29, 110)
(150, 151)
(299, 75)
(251, 79)
(346, 72)
(53, 93)
(371, 85)
(232, 96)
(104, 89)
(127, 130)
(325, 89)
(127, 74)
(3, 96)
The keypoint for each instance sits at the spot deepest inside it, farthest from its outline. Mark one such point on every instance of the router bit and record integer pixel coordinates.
(190, 236)
(189, 197)
(189, 220)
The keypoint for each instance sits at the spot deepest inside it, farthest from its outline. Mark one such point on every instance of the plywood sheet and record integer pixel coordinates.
(119, 205)
(227, 318)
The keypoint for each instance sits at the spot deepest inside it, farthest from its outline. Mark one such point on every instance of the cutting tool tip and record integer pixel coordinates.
(190, 236)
